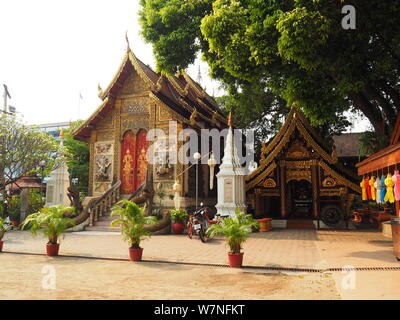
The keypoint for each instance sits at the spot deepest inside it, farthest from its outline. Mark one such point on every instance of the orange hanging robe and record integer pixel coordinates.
(389, 197)
(364, 190)
(372, 185)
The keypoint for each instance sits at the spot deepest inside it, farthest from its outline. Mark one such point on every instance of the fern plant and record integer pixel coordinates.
(236, 230)
(132, 222)
(179, 215)
(4, 227)
(51, 220)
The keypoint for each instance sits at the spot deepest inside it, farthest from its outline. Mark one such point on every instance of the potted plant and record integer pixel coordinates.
(132, 221)
(179, 218)
(4, 227)
(54, 224)
(236, 231)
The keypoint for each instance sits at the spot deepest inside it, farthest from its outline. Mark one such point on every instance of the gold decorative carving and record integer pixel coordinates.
(134, 124)
(260, 177)
(301, 164)
(298, 175)
(163, 114)
(297, 150)
(104, 148)
(329, 182)
(269, 183)
(105, 135)
(133, 84)
(135, 106)
(107, 122)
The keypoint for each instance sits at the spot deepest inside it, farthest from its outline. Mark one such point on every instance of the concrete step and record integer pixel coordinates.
(107, 218)
(102, 228)
(300, 224)
(102, 223)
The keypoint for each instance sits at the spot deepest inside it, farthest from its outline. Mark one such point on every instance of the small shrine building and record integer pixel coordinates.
(137, 100)
(299, 177)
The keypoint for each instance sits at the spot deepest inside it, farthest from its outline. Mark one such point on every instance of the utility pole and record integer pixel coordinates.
(6, 95)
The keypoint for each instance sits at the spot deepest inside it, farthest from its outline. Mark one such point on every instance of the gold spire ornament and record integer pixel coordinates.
(230, 121)
(99, 91)
(128, 48)
(62, 134)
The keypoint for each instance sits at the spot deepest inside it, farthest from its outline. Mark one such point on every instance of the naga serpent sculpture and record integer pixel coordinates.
(143, 197)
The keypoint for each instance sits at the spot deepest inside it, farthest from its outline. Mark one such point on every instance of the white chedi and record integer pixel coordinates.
(230, 179)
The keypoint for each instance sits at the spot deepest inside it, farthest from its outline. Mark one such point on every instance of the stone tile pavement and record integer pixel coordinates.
(279, 248)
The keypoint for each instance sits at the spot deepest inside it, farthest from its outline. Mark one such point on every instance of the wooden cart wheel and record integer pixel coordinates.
(332, 215)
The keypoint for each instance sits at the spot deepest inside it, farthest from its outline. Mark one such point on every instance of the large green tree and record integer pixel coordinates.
(22, 149)
(295, 50)
(77, 157)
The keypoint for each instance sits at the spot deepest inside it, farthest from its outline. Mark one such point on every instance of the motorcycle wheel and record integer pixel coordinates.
(190, 231)
(202, 236)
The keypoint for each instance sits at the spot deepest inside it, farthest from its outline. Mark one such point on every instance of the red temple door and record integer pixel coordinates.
(133, 161)
(128, 161)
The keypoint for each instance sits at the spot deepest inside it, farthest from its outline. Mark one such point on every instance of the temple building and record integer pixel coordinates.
(137, 100)
(300, 177)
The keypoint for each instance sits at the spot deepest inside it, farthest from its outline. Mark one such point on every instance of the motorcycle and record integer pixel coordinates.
(199, 222)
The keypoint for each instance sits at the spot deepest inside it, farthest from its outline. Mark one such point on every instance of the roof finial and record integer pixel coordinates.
(128, 48)
(230, 121)
(99, 90)
(62, 134)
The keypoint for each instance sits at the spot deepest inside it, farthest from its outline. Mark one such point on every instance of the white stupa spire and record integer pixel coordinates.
(230, 178)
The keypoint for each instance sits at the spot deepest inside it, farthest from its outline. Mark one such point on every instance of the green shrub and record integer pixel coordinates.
(179, 216)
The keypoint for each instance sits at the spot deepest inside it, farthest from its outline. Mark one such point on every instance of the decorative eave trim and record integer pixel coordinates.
(177, 115)
(262, 176)
(315, 145)
(270, 146)
(338, 177)
(213, 111)
(129, 56)
(139, 70)
(183, 92)
(189, 80)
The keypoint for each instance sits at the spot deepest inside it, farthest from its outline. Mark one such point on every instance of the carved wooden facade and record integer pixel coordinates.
(299, 175)
(137, 100)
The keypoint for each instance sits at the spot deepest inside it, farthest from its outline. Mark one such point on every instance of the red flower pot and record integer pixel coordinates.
(52, 249)
(1, 245)
(235, 259)
(135, 254)
(178, 228)
(265, 224)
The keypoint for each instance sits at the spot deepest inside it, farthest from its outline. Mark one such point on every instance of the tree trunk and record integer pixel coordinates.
(387, 108)
(372, 113)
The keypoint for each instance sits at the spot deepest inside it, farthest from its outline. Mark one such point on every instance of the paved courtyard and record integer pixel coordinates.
(281, 248)
(312, 249)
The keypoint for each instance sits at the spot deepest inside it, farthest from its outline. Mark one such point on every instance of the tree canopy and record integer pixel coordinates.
(22, 149)
(290, 51)
(77, 158)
